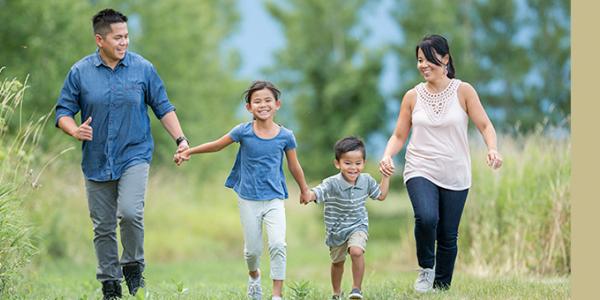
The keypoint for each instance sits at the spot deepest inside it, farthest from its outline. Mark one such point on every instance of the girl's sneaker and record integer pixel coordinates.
(336, 297)
(424, 282)
(254, 288)
(355, 294)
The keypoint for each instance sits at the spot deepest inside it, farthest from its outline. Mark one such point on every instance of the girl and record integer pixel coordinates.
(437, 173)
(257, 178)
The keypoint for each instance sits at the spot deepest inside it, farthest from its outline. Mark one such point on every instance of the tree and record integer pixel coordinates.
(327, 75)
(183, 40)
(492, 42)
(42, 40)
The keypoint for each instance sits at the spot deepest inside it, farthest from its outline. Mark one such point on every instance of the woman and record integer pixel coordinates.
(437, 172)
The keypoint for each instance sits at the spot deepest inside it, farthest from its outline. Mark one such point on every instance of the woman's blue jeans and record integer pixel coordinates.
(437, 216)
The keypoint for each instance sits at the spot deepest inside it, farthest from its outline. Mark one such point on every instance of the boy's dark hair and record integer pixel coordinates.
(259, 85)
(348, 144)
(104, 18)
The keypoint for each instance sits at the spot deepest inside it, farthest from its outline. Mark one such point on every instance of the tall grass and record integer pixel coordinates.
(18, 139)
(517, 219)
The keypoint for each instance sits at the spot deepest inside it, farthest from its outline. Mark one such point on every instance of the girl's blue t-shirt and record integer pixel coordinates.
(257, 173)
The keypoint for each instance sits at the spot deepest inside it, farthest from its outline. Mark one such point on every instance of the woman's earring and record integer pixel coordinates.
(446, 69)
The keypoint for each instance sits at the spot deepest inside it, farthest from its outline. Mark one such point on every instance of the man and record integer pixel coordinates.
(113, 88)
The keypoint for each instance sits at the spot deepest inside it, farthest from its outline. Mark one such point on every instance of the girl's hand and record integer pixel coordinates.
(494, 159)
(305, 197)
(179, 158)
(386, 166)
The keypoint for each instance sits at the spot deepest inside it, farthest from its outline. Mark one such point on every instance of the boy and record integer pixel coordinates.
(346, 220)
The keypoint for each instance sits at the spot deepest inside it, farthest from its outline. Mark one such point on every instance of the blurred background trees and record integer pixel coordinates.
(516, 53)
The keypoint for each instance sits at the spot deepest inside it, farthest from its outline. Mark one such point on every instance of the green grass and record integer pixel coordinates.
(18, 140)
(225, 279)
(194, 247)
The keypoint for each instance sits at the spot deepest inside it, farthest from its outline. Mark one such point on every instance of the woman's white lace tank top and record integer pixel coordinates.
(439, 148)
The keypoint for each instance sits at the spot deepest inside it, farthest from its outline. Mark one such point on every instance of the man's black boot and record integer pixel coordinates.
(133, 277)
(111, 290)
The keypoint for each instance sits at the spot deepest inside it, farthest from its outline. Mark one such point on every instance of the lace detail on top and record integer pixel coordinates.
(435, 103)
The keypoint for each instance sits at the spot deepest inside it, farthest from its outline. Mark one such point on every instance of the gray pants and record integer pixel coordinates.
(253, 215)
(122, 200)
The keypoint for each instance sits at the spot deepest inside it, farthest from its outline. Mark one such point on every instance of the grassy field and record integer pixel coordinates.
(514, 239)
(194, 245)
(224, 279)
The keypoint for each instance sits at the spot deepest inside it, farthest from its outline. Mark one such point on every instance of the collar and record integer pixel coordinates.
(344, 185)
(98, 60)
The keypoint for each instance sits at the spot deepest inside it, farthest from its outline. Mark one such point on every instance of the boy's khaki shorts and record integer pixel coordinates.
(356, 239)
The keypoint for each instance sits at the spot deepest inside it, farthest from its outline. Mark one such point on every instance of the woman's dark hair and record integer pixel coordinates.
(432, 44)
(348, 144)
(259, 85)
(104, 18)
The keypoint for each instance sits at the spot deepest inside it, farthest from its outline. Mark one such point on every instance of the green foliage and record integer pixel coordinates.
(42, 40)
(518, 220)
(183, 39)
(327, 76)
(515, 53)
(301, 290)
(16, 155)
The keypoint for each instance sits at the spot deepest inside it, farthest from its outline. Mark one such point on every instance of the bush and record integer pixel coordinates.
(17, 146)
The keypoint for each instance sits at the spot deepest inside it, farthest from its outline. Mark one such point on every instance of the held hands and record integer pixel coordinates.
(386, 166)
(182, 154)
(84, 132)
(494, 159)
(306, 196)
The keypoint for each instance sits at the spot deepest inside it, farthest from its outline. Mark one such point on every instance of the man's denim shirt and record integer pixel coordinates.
(117, 102)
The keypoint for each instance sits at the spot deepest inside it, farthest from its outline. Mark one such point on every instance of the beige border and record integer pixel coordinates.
(585, 57)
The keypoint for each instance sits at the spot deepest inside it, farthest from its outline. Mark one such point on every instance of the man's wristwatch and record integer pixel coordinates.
(181, 139)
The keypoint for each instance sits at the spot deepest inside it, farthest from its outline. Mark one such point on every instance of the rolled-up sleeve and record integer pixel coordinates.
(156, 96)
(68, 101)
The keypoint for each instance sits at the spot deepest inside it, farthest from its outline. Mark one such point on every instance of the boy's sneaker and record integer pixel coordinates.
(133, 277)
(111, 290)
(254, 288)
(355, 294)
(424, 282)
(336, 297)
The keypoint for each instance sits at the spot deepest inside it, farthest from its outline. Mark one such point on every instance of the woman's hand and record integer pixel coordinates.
(494, 159)
(386, 166)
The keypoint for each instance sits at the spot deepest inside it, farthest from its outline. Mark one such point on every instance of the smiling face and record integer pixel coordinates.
(113, 45)
(263, 105)
(430, 70)
(350, 164)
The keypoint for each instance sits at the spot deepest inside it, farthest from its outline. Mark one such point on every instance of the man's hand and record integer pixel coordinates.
(181, 155)
(84, 132)
(183, 146)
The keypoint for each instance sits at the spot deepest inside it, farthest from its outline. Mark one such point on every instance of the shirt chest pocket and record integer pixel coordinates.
(130, 94)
